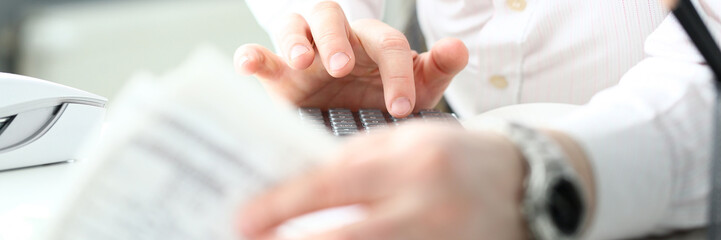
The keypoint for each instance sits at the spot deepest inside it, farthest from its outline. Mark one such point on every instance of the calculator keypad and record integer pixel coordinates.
(344, 122)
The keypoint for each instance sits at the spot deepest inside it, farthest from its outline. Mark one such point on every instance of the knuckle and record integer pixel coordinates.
(326, 6)
(325, 11)
(294, 27)
(394, 41)
(398, 79)
(366, 23)
(328, 37)
(291, 20)
(436, 164)
(289, 40)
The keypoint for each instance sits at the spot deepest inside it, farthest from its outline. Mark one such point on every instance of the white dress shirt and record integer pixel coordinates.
(647, 135)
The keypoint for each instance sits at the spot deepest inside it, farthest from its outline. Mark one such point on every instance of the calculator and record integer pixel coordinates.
(344, 122)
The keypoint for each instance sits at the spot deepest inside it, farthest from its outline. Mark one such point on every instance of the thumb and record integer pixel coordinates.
(446, 58)
(253, 59)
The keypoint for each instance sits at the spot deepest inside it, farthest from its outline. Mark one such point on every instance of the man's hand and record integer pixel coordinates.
(419, 182)
(327, 62)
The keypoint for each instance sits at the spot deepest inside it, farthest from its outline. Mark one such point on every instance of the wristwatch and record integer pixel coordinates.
(553, 204)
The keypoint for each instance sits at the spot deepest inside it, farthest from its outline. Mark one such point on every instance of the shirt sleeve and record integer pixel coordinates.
(269, 12)
(649, 140)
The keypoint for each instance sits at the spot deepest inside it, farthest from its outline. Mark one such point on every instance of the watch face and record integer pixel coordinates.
(566, 207)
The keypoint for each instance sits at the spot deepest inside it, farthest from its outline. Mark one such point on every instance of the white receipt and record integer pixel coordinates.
(182, 154)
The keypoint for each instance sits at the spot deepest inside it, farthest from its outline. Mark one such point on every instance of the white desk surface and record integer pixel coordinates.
(29, 196)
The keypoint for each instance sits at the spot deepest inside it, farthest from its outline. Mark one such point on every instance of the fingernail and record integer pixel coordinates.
(401, 106)
(242, 60)
(298, 50)
(338, 61)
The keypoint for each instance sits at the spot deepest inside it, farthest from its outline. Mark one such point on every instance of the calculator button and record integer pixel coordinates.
(370, 118)
(370, 115)
(371, 125)
(376, 127)
(370, 110)
(432, 115)
(373, 122)
(341, 117)
(343, 121)
(344, 125)
(345, 131)
(339, 110)
(373, 115)
(380, 118)
(409, 117)
(344, 134)
(429, 111)
(373, 118)
(341, 114)
(309, 111)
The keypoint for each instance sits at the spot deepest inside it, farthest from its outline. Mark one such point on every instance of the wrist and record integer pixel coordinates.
(581, 164)
(555, 196)
(510, 173)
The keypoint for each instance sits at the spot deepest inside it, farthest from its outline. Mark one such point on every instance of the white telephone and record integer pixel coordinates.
(43, 122)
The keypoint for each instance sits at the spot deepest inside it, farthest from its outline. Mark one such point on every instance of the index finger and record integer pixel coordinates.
(390, 50)
(330, 31)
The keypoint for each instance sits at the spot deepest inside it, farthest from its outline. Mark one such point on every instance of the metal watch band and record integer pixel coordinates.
(548, 173)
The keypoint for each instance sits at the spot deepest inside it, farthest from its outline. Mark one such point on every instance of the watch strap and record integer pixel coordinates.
(548, 173)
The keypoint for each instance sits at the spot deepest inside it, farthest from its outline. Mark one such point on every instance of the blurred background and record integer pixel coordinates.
(97, 45)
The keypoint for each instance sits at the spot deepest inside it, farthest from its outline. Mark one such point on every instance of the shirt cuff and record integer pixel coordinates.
(631, 169)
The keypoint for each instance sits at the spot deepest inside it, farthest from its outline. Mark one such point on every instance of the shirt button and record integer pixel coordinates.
(499, 82)
(518, 5)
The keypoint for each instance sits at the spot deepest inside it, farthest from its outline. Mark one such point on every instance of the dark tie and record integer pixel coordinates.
(701, 37)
